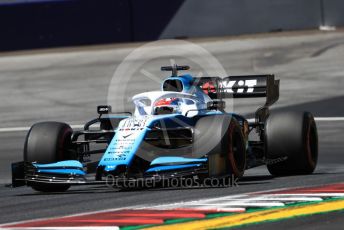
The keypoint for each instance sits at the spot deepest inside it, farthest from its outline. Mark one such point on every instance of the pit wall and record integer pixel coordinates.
(39, 24)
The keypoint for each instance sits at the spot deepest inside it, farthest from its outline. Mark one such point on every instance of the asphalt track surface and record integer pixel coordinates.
(67, 84)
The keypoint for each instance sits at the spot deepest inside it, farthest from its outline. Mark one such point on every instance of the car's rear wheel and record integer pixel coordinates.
(220, 137)
(291, 143)
(48, 142)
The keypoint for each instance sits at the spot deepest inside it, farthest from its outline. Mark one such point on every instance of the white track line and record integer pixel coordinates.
(21, 129)
(316, 119)
(309, 194)
(14, 129)
(215, 208)
(240, 204)
(264, 198)
(329, 118)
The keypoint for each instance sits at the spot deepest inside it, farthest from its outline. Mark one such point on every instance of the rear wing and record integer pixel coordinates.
(247, 86)
(241, 87)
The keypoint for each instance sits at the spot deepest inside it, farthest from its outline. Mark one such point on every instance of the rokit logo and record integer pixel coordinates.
(240, 86)
(134, 123)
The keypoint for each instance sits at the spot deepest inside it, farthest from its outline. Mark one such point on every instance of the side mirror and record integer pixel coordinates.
(216, 105)
(104, 109)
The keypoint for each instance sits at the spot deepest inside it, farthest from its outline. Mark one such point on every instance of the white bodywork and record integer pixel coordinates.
(188, 104)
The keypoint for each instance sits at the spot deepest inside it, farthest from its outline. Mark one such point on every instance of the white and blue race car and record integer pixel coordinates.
(180, 131)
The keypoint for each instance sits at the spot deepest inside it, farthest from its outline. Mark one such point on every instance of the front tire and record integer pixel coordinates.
(292, 135)
(48, 142)
(220, 137)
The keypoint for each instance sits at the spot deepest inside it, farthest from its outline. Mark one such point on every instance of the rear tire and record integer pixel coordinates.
(48, 142)
(292, 135)
(220, 138)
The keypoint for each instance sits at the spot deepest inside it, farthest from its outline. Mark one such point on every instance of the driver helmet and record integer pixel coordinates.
(167, 106)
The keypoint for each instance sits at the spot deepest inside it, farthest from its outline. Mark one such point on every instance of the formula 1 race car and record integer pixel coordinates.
(180, 131)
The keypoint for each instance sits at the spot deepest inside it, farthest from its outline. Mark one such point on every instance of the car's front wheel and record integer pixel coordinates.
(220, 138)
(48, 142)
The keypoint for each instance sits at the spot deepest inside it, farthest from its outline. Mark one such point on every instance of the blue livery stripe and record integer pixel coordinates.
(171, 167)
(171, 160)
(63, 171)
